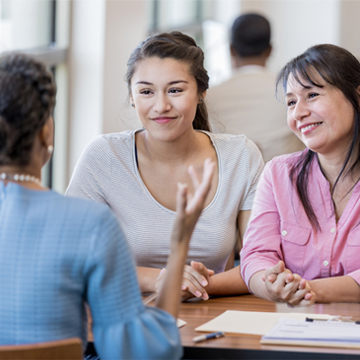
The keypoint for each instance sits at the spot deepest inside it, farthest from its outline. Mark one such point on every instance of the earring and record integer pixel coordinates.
(133, 105)
(201, 100)
(50, 149)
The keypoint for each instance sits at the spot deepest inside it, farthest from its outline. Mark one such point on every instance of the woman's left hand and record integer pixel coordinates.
(196, 278)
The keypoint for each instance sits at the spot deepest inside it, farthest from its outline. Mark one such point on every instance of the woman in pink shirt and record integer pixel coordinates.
(302, 244)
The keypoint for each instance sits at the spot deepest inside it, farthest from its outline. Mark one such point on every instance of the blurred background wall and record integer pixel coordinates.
(86, 43)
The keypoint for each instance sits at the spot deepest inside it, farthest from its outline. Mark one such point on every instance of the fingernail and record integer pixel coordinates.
(183, 287)
(198, 294)
(205, 296)
(204, 283)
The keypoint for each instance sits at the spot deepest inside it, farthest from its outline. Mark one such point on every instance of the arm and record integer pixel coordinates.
(281, 285)
(188, 210)
(147, 278)
(336, 289)
(122, 326)
(228, 282)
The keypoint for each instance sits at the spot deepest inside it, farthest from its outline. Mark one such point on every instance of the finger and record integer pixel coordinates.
(203, 270)
(293, 286)
(181, 198)
(194, 178)
(271, 278)
(202, 190)
(196, 278)
(281, 278)
(289, 278)
(302, 284)
(277, 269)
(194, 290)
(310, 299)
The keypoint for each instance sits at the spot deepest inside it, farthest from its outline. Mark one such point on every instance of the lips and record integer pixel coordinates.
(307, 128)
(163, 119)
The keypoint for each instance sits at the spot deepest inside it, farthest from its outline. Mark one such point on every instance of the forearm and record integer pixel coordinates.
(257, 286)
(169, 296)
(227, 283)
(336, 289)
(147, 278)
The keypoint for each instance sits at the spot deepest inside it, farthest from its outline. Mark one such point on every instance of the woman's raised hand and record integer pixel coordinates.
(189, 206)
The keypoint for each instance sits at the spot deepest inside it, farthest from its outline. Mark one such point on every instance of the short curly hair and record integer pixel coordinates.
(27, 99)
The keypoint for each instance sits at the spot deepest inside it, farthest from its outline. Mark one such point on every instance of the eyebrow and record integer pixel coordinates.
(170, 83)
(303, 89)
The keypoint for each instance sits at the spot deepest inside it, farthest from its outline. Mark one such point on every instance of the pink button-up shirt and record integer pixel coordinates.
(280, 230)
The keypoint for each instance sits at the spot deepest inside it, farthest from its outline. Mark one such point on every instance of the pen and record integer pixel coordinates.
(312, 320)
(214, 335)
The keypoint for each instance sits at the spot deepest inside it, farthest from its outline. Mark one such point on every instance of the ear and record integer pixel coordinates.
(269, 51)
(233, 51)
(203, 95)
(46, 134)
(358, 91)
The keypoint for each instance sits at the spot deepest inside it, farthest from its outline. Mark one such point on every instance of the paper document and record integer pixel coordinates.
(317, 333)
(180, 323)
(250, 322)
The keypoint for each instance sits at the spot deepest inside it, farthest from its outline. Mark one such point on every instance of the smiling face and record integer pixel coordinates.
(165, 96)
(322, 117)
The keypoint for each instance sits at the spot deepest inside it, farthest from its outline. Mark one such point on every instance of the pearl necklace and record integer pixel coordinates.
(20, 177)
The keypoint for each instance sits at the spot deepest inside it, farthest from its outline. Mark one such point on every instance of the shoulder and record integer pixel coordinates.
(234, 144)
(112, 140)
(76, 207)
(283, 164)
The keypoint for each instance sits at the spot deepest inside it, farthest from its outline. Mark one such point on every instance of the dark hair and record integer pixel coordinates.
(339, 68)
(27, 98)
(181, 47)
(250, 35)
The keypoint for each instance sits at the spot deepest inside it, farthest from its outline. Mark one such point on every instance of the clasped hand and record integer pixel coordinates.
(284, 286)
(196, 279)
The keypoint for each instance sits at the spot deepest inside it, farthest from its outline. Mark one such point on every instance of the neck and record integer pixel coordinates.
(238, 62)
(178, 150)
(332, 165)
(30, 182)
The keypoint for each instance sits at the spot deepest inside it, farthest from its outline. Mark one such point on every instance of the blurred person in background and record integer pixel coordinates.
(246, 103)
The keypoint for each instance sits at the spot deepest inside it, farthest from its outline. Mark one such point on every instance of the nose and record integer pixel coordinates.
(301, 110)
(162, 104)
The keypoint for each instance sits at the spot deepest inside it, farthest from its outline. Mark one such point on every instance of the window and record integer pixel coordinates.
(33, 27)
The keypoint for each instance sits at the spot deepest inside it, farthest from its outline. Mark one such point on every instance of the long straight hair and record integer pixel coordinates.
(339, 68)
(181, 47)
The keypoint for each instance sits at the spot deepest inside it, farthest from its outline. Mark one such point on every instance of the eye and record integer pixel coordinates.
(175, 90)
(312, 95)
(145, 92)
(290, 103)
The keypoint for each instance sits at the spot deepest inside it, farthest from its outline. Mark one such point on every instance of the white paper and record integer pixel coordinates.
(291, 329)
(251, 322)
(180, 323)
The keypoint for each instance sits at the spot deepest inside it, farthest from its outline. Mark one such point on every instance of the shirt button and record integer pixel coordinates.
(284, 232)
(332, 230)
(326, 263)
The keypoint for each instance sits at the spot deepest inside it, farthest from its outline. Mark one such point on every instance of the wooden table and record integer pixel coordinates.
(241, 346)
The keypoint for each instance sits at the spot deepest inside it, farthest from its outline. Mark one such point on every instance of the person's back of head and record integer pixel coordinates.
(250, 35)
(27, 98)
